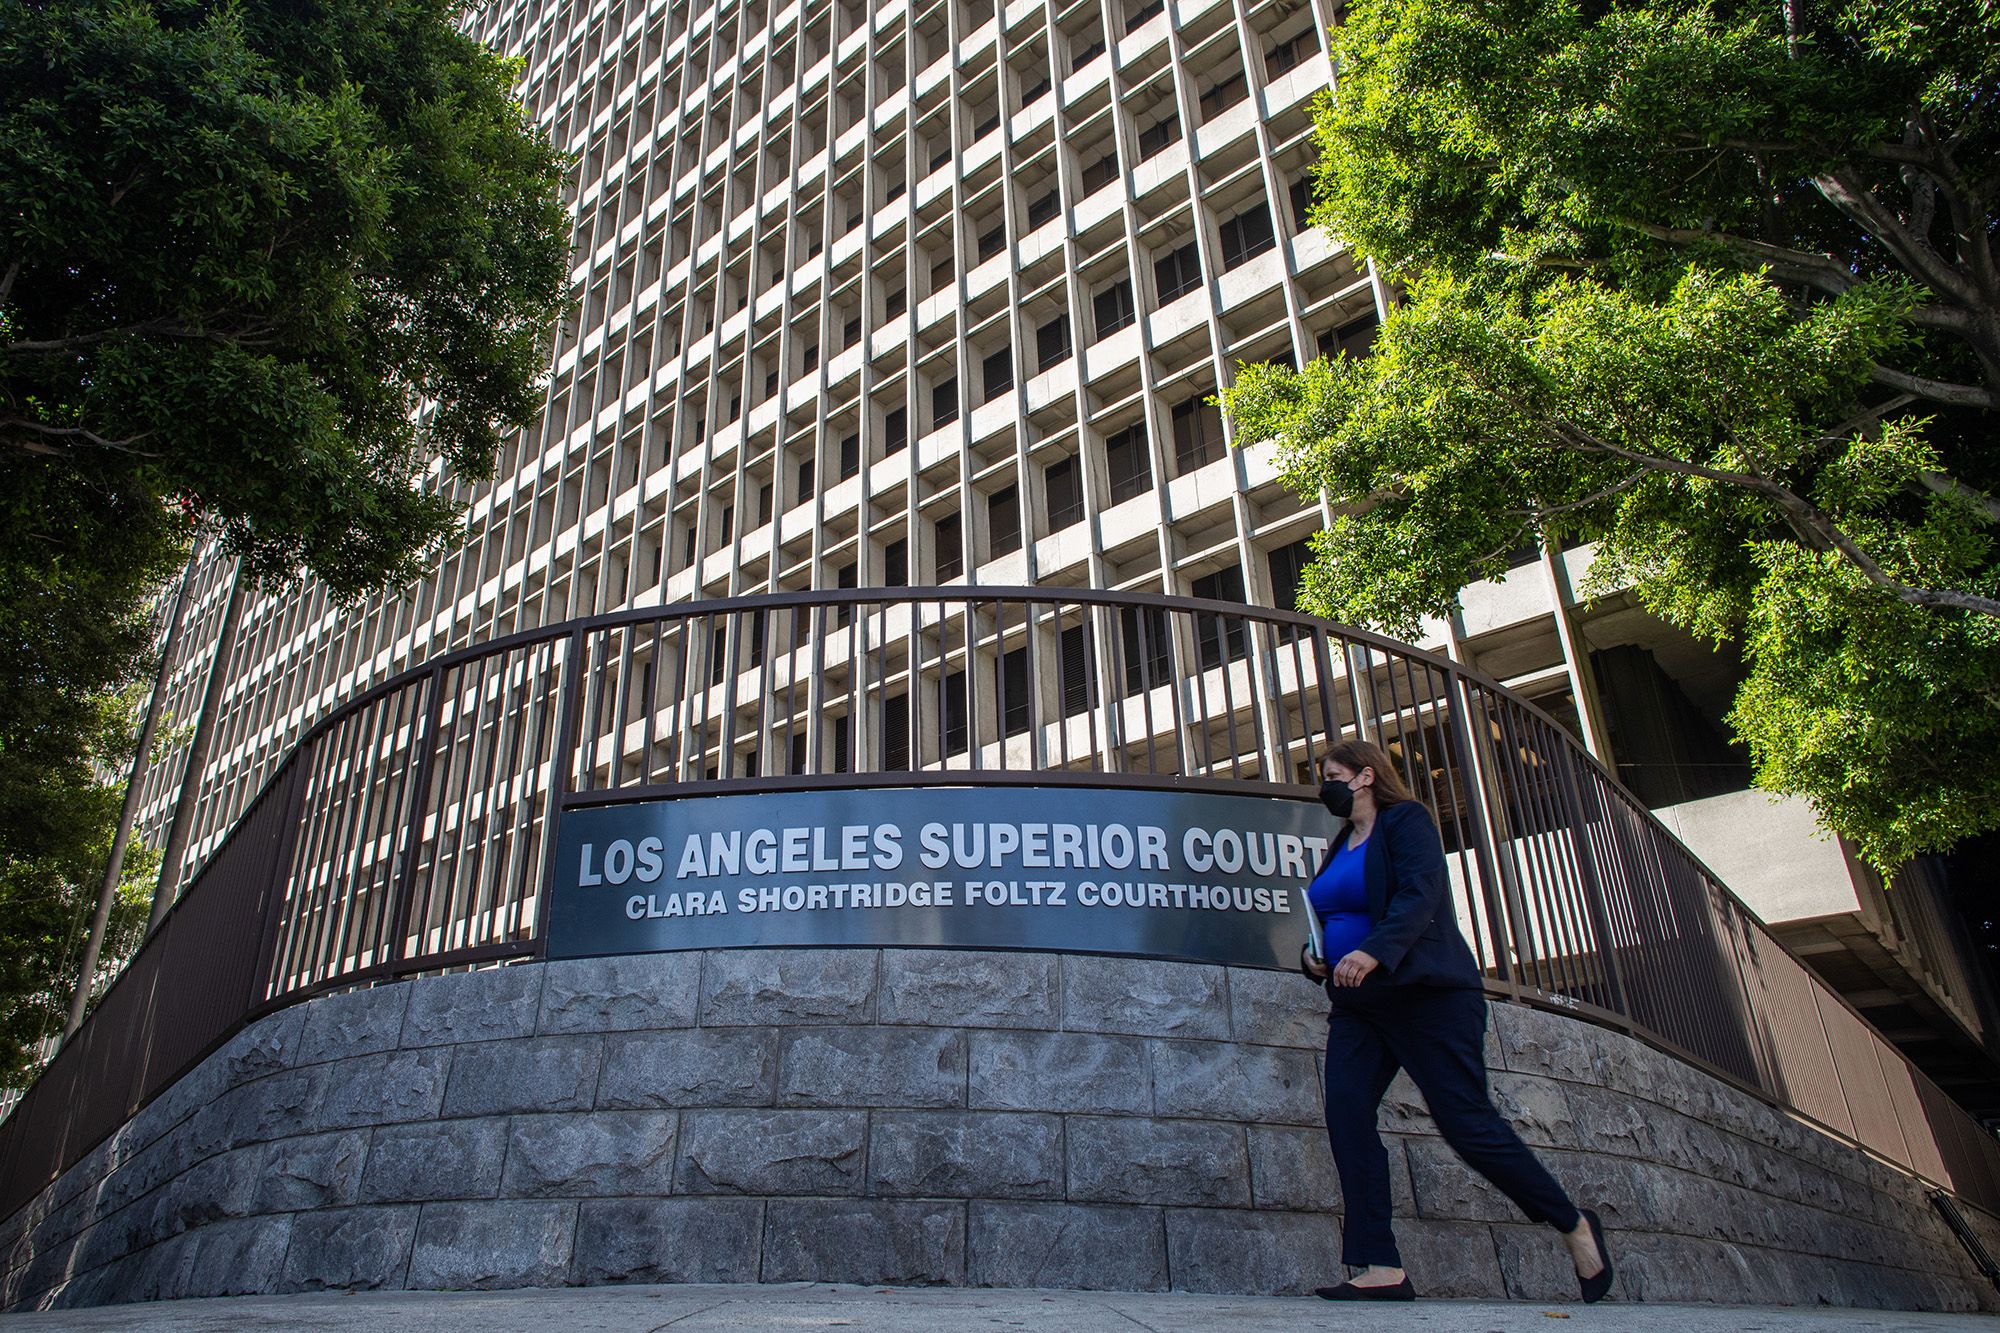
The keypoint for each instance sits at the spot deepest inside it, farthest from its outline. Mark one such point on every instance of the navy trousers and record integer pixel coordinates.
(1438, 1034)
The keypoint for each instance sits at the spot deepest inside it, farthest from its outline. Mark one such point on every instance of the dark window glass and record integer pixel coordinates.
(850, 333)
(1003, 520)
(986, 126)
(896, 732)
(798, 764)
(1302, 200)
(1355, 339)
(850, 455)
(811, 355)
(997, 372)
(1063, 486)
(1225, 94)
(687, 555)
(1148, 650)
(805, 481)
(1079, 687)
(944, 403)
(1044, 208)
(1034, 91)
(1247, 235)
(728, 524)
(843, 742)
(897, 302)
(1142, 13)
(1052, 342)
(1086, 53)
(1219, 638)
(758, 629)
(896, 564)
(1286, 55)
(1015, 702)
(1131, 472)
(718, 656)
(1179, 273)
(1197, 434)
(1158, 135)
(895, 430)
(1100, 173)
(950, 548)
(956, 733)
(764, 504)
(1287, 566)
(1112, 307)
(991, 243)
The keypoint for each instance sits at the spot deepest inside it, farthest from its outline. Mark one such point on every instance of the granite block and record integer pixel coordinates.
(871, 1066)
(969, 988)
(314, 1171)
(620, 994)
(1133, 1159)
(1215, 1080)
(1142, 997)
(1272, 1254)
(695, 1067)
(958, 1154)
(1058, 1071)
(599, 1153)
(491, 1004)
(772, 1152)
(383, 1089)
(349, 1249)
(486, 1245)
(877, 1241)
(1101, 1247)
(532, 1074)
(356, 1022)
(446, 1159)
(668, 1240)
(787, 987)
(1276, 1009)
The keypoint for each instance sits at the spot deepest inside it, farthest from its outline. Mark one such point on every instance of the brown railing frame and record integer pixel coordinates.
(165, 1012)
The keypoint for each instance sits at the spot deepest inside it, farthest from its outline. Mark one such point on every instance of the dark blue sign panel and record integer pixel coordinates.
(1186, 875)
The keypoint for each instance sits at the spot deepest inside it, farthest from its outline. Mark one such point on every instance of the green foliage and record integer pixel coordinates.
(1716, 295)
(282, 273)
(272, 261)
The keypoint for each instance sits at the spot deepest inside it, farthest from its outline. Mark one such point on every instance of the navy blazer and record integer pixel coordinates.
(1415, 936)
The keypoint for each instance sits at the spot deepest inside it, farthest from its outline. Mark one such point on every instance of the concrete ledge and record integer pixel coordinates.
(906, 1117)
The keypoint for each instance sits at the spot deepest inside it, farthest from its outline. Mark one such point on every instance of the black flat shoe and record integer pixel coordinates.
(1347, 1291)
(1594, 1288)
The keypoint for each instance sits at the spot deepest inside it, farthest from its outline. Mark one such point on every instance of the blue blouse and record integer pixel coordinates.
(1339, 894)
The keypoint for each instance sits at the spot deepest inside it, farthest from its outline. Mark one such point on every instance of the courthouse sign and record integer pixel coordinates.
(1157, 874)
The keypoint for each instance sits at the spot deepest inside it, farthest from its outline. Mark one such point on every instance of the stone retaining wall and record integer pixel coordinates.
(917, 1116)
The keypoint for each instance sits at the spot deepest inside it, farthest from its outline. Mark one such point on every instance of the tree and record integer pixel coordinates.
(282, 273)
(1714, 286)
(273, 262)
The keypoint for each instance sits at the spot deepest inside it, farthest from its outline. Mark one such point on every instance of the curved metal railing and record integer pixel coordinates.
(411, 830)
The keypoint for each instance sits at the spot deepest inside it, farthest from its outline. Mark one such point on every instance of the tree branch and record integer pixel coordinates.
(1804, 518)
(1840, 189)
(248, 331)
(77, 433)
(1821, 271)
(7, 280)
(1938, 483)
(1938, 391)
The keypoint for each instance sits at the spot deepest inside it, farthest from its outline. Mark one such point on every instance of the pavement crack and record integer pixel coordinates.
(688, 1314)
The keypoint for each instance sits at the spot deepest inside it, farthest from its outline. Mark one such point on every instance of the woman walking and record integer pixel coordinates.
(1406, 994)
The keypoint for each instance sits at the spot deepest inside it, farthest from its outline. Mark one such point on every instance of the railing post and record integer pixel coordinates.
(1593, 884)
(413, 821)
(1487, 852)
(562, 768)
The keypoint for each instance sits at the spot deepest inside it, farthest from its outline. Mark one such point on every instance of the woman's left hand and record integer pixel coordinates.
(1354, 968)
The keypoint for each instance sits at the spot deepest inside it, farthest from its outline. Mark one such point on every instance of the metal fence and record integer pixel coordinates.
(411, 830)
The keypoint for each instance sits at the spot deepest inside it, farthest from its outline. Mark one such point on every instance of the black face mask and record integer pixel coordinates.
(1337, 797)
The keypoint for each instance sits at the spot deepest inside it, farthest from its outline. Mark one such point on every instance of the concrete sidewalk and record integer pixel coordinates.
(903, 1310)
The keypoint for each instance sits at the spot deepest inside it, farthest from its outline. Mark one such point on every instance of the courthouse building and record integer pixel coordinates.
(936, 292)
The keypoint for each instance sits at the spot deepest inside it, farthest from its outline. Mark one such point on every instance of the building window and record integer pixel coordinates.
(1079, 686)
(1138, 17)
(764, 493)
(896, 303)
(1112, 306)
(1247, 235)
(843, 743)
(1131, 472)
(1148, 650)
(896, 733)
(1179, 273)
(805, 481)
(944, 403)
(1062, 484)
(850, 455)
(1288, 565)
(895, 430)
(1286, 55)
(1100, 173)
(1044, 209)
(810, 360)
(848, 576)
(1035, 91)
(997, 373)
(718, 655)
(1052, 343)
(798, 765)
(1302, 202)
(1015, 701)
(896, 564)
(992, 243)
(1197, 435)
(1003, 521)
(1158, 135)
(1354, 339)
(950, 532)
(1226, 93)
(954, 731)
(1219, 638)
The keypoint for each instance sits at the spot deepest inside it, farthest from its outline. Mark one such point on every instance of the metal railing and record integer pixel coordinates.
(412, 829)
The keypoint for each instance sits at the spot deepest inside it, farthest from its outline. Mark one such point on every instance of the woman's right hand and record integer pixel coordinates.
(1313, 967)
